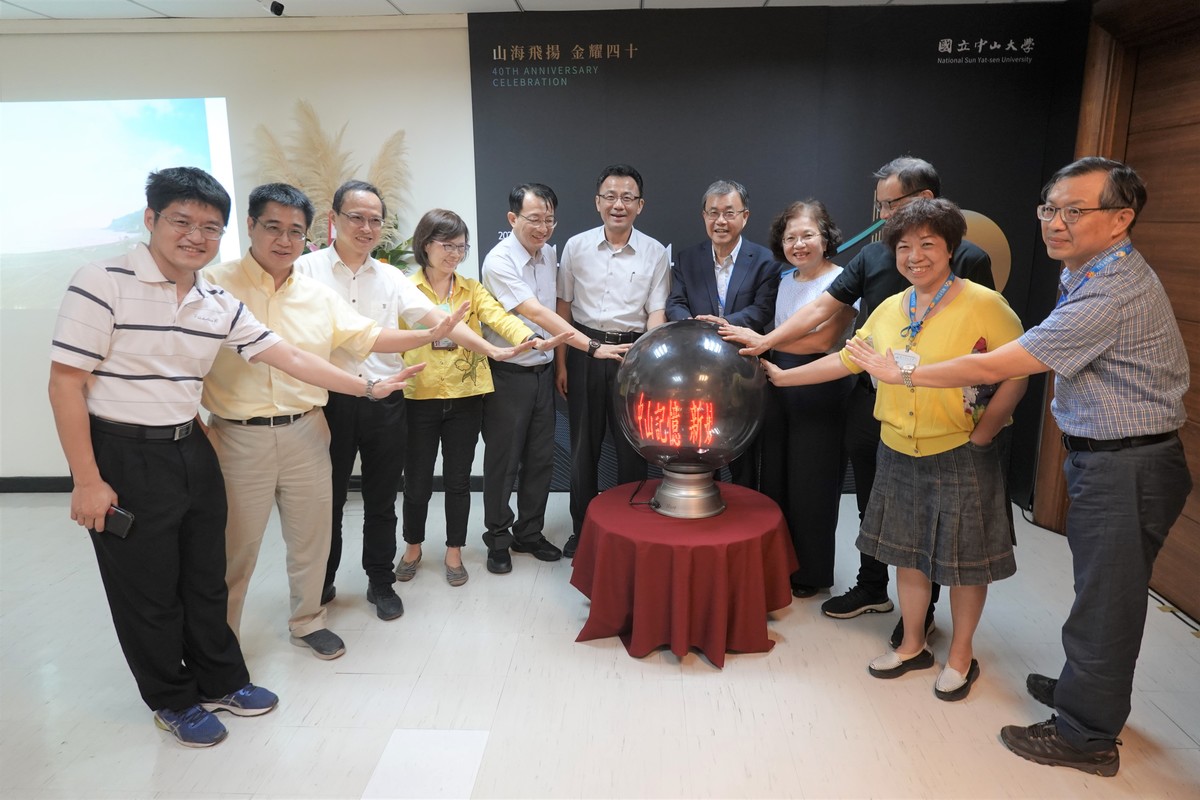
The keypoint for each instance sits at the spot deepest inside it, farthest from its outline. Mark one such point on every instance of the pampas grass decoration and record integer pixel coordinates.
(315, 163)
(389, 173)
(320, 162)
(276, 165)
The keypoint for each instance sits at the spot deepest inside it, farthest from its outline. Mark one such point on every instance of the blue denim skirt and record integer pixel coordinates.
(945, 515)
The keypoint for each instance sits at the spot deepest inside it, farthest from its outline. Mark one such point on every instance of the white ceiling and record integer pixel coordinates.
(210, 9)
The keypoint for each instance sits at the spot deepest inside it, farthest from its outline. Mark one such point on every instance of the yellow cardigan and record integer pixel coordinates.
(927, 421)
(459, 372)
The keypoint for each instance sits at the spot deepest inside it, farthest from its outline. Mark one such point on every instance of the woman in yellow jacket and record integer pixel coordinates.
(445, 405)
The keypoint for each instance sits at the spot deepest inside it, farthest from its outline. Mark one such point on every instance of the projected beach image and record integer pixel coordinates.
(74, 177)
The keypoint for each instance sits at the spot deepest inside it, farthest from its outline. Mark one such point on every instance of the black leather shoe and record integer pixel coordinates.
(328, 594)
(499, 561)
(540, 548)
(571, 546)
(388, 604)
(1041, 688)
(803, 590)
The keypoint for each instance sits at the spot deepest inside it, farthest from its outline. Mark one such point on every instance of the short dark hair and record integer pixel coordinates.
(516, 198)
(185, 184)
(812, 208)
(284, 194)
(1123, 189)
(915, 174)
(939, 216)
(437, 225)
(358, 186)
(620, 171)
(723, 187)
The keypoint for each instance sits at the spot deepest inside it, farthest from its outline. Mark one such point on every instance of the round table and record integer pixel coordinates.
(707, 583)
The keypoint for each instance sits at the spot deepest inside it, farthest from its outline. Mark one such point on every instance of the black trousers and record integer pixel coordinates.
(376, 432)
(802, 466)
(166, 581)
(592, 410)
(518, 437)
(454, 424)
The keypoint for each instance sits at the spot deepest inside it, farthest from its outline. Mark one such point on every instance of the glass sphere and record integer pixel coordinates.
(685, 398)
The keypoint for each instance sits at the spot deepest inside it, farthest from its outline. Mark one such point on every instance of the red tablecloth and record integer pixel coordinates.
(708, 583)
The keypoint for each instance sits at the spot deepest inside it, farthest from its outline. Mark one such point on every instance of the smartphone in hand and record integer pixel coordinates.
(117, 522)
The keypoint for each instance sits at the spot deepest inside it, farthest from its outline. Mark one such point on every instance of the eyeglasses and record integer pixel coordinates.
(626, 199)
(807, 239)
(890, 205)
(539, 222)
(455, 249)
(712, 215)
(359, 221)
(185, 227)
(1070, 214)
(276, 231)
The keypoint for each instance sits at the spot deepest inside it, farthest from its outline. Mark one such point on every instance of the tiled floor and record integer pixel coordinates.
(481, 691)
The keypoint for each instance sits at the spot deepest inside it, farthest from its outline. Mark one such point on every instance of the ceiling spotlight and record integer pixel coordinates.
(277, 8)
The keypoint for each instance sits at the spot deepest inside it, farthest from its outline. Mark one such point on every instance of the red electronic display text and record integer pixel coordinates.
(662, 421)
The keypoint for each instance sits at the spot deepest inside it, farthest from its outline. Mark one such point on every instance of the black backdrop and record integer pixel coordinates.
(793, 103)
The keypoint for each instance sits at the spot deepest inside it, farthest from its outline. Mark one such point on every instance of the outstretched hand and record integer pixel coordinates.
(442, 329)
(752, 339)
(395, 383)
(542, 345)
(881, 366)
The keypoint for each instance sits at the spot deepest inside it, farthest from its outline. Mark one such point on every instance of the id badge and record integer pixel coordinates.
(444, 344)
(905, 358)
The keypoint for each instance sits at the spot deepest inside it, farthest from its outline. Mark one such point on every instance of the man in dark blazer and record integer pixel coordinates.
(726, 280)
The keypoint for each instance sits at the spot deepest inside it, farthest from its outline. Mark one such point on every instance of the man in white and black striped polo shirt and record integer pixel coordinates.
(134, 338)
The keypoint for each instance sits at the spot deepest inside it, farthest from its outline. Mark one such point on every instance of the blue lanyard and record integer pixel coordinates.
(914, 325)
(1087, 276)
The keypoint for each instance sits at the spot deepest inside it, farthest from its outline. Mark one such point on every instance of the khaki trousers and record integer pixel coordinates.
(286, 466)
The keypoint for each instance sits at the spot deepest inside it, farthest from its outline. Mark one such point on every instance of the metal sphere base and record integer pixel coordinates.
(688, 492)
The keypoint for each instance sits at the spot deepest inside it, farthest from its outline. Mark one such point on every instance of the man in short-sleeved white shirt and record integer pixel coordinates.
(518, 417)
(612, 285)
(357, 427)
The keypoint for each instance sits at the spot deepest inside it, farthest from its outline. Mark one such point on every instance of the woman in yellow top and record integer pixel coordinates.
(446, 406)
(938, 509)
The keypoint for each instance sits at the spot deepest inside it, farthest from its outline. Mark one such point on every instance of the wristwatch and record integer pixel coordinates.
(906, 372)
(593, 346)
(368, 393)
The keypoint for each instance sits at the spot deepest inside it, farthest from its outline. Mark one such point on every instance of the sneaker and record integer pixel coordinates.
(854, 602)
(1043, 744)
(571, 546)
(326, 645)
(193, 726)
(499, 562)
(898, 631)
(248, 701)
(952, 685)
(1041, 688)
(388, 604)
(540, 548)
(892, 665)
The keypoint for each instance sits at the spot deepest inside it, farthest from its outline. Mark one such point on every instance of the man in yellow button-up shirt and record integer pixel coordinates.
(270, 447)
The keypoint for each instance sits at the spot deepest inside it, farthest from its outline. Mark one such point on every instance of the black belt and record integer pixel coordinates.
(1076, 443)
(610, 337)
(270, 422)
(504, 366)
(144, 432)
